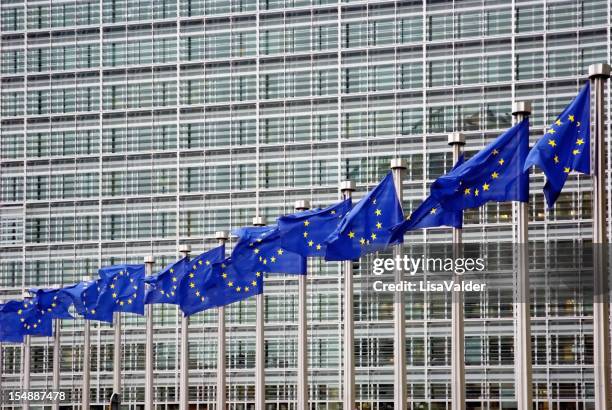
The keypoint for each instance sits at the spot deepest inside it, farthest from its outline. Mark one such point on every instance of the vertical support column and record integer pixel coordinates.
(26, 362)
(457, 140)
(522, 309)
(222, 237)
(302, 360)
(347, 188)
(598, 75)
(260, 359)
(86, 360)
(117, 355)
(149, 362)
(399, 315)
(56, 361)
(184, 250)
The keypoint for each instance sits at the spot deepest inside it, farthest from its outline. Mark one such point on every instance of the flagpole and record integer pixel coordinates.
(222, 237)
(457, 140)
(302, 363)
(347, 188)
(260, 373)
(522, 326)
(26, 362)
(117, 355)
(149, 396)
(184, 250)
(56, 362)
(86, 359)
(398, 166)
(598, 75)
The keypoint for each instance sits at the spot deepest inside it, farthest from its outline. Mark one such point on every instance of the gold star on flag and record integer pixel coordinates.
(273, 259)
(556, 159)
(121, 303)
(112, 286)
(571, 118)
(433, 211)
(238, 288)
(577, 123)
(306, 223)
(579, 141)
(552, 143)
(318, 247)
(351, 235)
(485, 187)
(230, 284)
(258, 274)
(114, 295)
(476, 192)
(310, 243)
(566, 170)
(254, 283)
(379, 225)
(378, 212)
(551, 130)
(199, 262)
(494, 175)
(197, 293)
(208, 262)
(305, 234)
(495, 152)
(191, 275)
(467, 191)
(174, 278)
(192, 285)
(224, 275)
(333, 212)
(576, 152)
(501, 161)
(280, 251)
(373, 236)
(256, 250)
(362, 241)
(171, 270)
(558, 122)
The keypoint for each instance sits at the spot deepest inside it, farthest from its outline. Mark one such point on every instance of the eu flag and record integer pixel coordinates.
(53, 303)
(194, 288)
(493, 174)
(29, 319)
(163, 287)
(366, 227)
(564, 147)
(223, 285)
(124, 284)
(85, 297)
(428, 215)
(10, 325)
(305, 232)
(259, 249)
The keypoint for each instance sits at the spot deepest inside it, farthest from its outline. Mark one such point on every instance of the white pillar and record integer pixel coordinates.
(302, 360)
(26, 362)
(260, 359)
(598, 75)
(222, 237)
(457, 140)
(347, 188)
(399, 315)
(149, 397)
(56, 361)
(184, 250)
(522, 310)
(117, 355)
(86, 360)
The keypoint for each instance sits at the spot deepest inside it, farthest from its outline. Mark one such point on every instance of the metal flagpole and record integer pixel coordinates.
(260, 360)
(399, 315)
(522, 310)
(302, 362)
(86, 359)
(184, 250)
(117, 356)
(149, 375)
(598, 75)
(457, 140)
(26, 362)
(347, 188)
(222, 237)
(56, 362)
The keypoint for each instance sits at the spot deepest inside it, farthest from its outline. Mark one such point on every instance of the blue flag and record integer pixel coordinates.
(235, 286)
(30, 319)
(366, 228)
(305, 232)
(198, 280)
(429, 215)
(259, 249)
(85, 297)
(53, 303)
(122, 289)
(10, 324)
(163, 287)
(493, 174)
(565, 146)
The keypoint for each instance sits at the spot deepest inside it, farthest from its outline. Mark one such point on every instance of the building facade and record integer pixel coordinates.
(129, 127)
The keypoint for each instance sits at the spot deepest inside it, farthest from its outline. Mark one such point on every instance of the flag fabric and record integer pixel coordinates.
(366, 227)
(565, 146)
(163, 287)
(85, 297)
(30, 319)
(259, 249)
(53, 303)
(122, 288)
(429, 215)
(10, 325)
(221, 285)
(305, 232)
(193, 289)
(493, 174)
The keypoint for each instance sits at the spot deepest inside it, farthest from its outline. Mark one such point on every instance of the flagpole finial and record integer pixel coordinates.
(398, 163)
(184, 248)
(456, 138)
(26, 294)
(599, 70)
(149, 259)
(347, 186)
(302, 205)
(259, 221)
(521, 107)
(221, 235)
